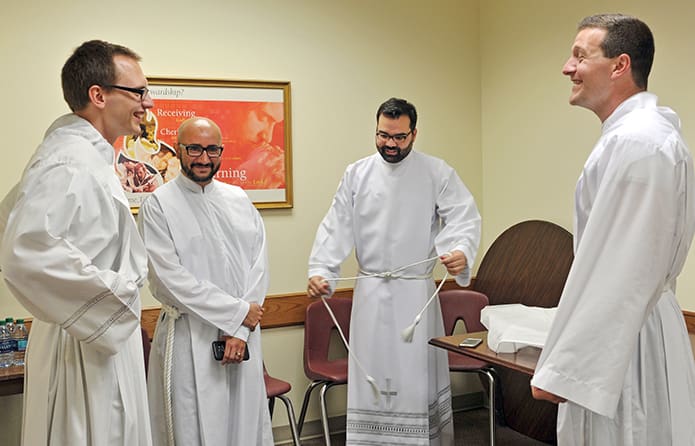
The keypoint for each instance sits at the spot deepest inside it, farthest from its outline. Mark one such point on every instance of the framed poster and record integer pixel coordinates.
(254, 117)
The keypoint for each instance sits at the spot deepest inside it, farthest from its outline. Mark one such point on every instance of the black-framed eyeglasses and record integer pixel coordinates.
(194, 150)
(143, 92)
(397, 138)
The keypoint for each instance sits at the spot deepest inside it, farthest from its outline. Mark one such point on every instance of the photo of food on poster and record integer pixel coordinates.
(253, 118)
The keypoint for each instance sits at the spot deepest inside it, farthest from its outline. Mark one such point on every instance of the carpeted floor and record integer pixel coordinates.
(470, 429)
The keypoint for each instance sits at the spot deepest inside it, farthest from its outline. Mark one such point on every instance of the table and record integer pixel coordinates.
(523, 361)
(533, 418)
(11, 380)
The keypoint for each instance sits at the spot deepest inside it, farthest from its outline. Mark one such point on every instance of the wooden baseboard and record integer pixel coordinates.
(285, 310)
(281, 310)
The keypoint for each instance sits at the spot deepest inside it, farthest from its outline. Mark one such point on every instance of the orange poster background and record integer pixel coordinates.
(253, 136)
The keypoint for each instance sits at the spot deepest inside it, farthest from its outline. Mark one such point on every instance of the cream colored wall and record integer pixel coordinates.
(342, 59)
(534, 143)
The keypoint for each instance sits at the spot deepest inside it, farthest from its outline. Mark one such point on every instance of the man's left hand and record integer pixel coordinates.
(233, 350)
(541, 394)
(454, 262)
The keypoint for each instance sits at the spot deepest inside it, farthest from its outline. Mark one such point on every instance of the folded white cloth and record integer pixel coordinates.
(514, 326)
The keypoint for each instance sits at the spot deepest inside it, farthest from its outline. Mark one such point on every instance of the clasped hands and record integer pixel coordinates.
(234, 347)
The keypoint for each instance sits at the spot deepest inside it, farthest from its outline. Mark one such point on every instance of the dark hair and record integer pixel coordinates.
(394, 108)
(626, 35)
(90, 64)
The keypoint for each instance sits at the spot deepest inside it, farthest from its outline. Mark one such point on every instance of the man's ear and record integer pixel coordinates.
(622, 66)
(96, 96)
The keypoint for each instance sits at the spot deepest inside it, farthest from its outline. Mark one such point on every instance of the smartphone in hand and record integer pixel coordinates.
(218, 350)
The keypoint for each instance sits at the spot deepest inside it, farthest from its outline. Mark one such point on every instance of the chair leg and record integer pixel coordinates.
(324, 412)
(292, 420)
(499, 399)
(305, 404)
(271, 406)
(491, 402)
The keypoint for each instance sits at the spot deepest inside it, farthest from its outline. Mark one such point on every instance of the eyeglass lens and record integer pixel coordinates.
(197, 150)
(383, 136)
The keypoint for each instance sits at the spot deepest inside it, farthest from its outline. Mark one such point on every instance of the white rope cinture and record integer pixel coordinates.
(370, 379)
(407, 334)
(172, 315)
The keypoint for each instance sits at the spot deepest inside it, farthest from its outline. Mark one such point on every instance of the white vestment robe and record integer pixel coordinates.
(72, 256)
(618, 349)
(395, 215)
(208, 259)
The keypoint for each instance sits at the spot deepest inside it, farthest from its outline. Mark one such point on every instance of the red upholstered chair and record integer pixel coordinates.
(277, 388)
(465, 305)
(322, 371)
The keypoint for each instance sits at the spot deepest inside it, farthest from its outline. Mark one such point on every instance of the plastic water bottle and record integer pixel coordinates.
(9, 324)
(21, 336)
(6, 346)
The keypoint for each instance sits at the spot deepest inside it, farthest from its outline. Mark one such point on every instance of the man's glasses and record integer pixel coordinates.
(194, 150)
(143, 92)
(398, 138)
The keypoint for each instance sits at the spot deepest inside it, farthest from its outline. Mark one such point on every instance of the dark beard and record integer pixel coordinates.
(198, 179)
(398, 157)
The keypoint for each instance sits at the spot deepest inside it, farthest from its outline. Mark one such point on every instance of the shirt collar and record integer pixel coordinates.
(194, 187)
(634, 102)
(84, 128)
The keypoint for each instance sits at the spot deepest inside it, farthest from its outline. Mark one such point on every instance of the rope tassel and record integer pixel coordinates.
(409, 332)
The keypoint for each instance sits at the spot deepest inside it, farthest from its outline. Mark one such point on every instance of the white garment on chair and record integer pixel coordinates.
(515, 326)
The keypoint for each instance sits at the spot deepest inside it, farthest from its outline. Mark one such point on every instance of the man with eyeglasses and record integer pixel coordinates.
(72, 256)
(397, 207)
(209, 268)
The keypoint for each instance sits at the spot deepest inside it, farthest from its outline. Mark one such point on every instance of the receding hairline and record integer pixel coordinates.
(198, 121)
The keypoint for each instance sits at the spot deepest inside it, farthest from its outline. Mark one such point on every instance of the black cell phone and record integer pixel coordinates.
(218, 350)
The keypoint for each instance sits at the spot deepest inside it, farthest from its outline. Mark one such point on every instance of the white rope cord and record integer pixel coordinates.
(173, 314)
(388, 274)
(407, 334)
(372, 381)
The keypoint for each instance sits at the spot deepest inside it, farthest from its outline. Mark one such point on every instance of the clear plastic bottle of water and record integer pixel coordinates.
(21, 336)
(10, 326)
(6, 346)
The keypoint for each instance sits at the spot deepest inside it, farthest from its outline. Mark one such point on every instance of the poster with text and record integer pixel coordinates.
(254, 118)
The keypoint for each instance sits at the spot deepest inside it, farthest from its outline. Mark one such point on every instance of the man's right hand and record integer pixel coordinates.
(318, 287)
(253, 317)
